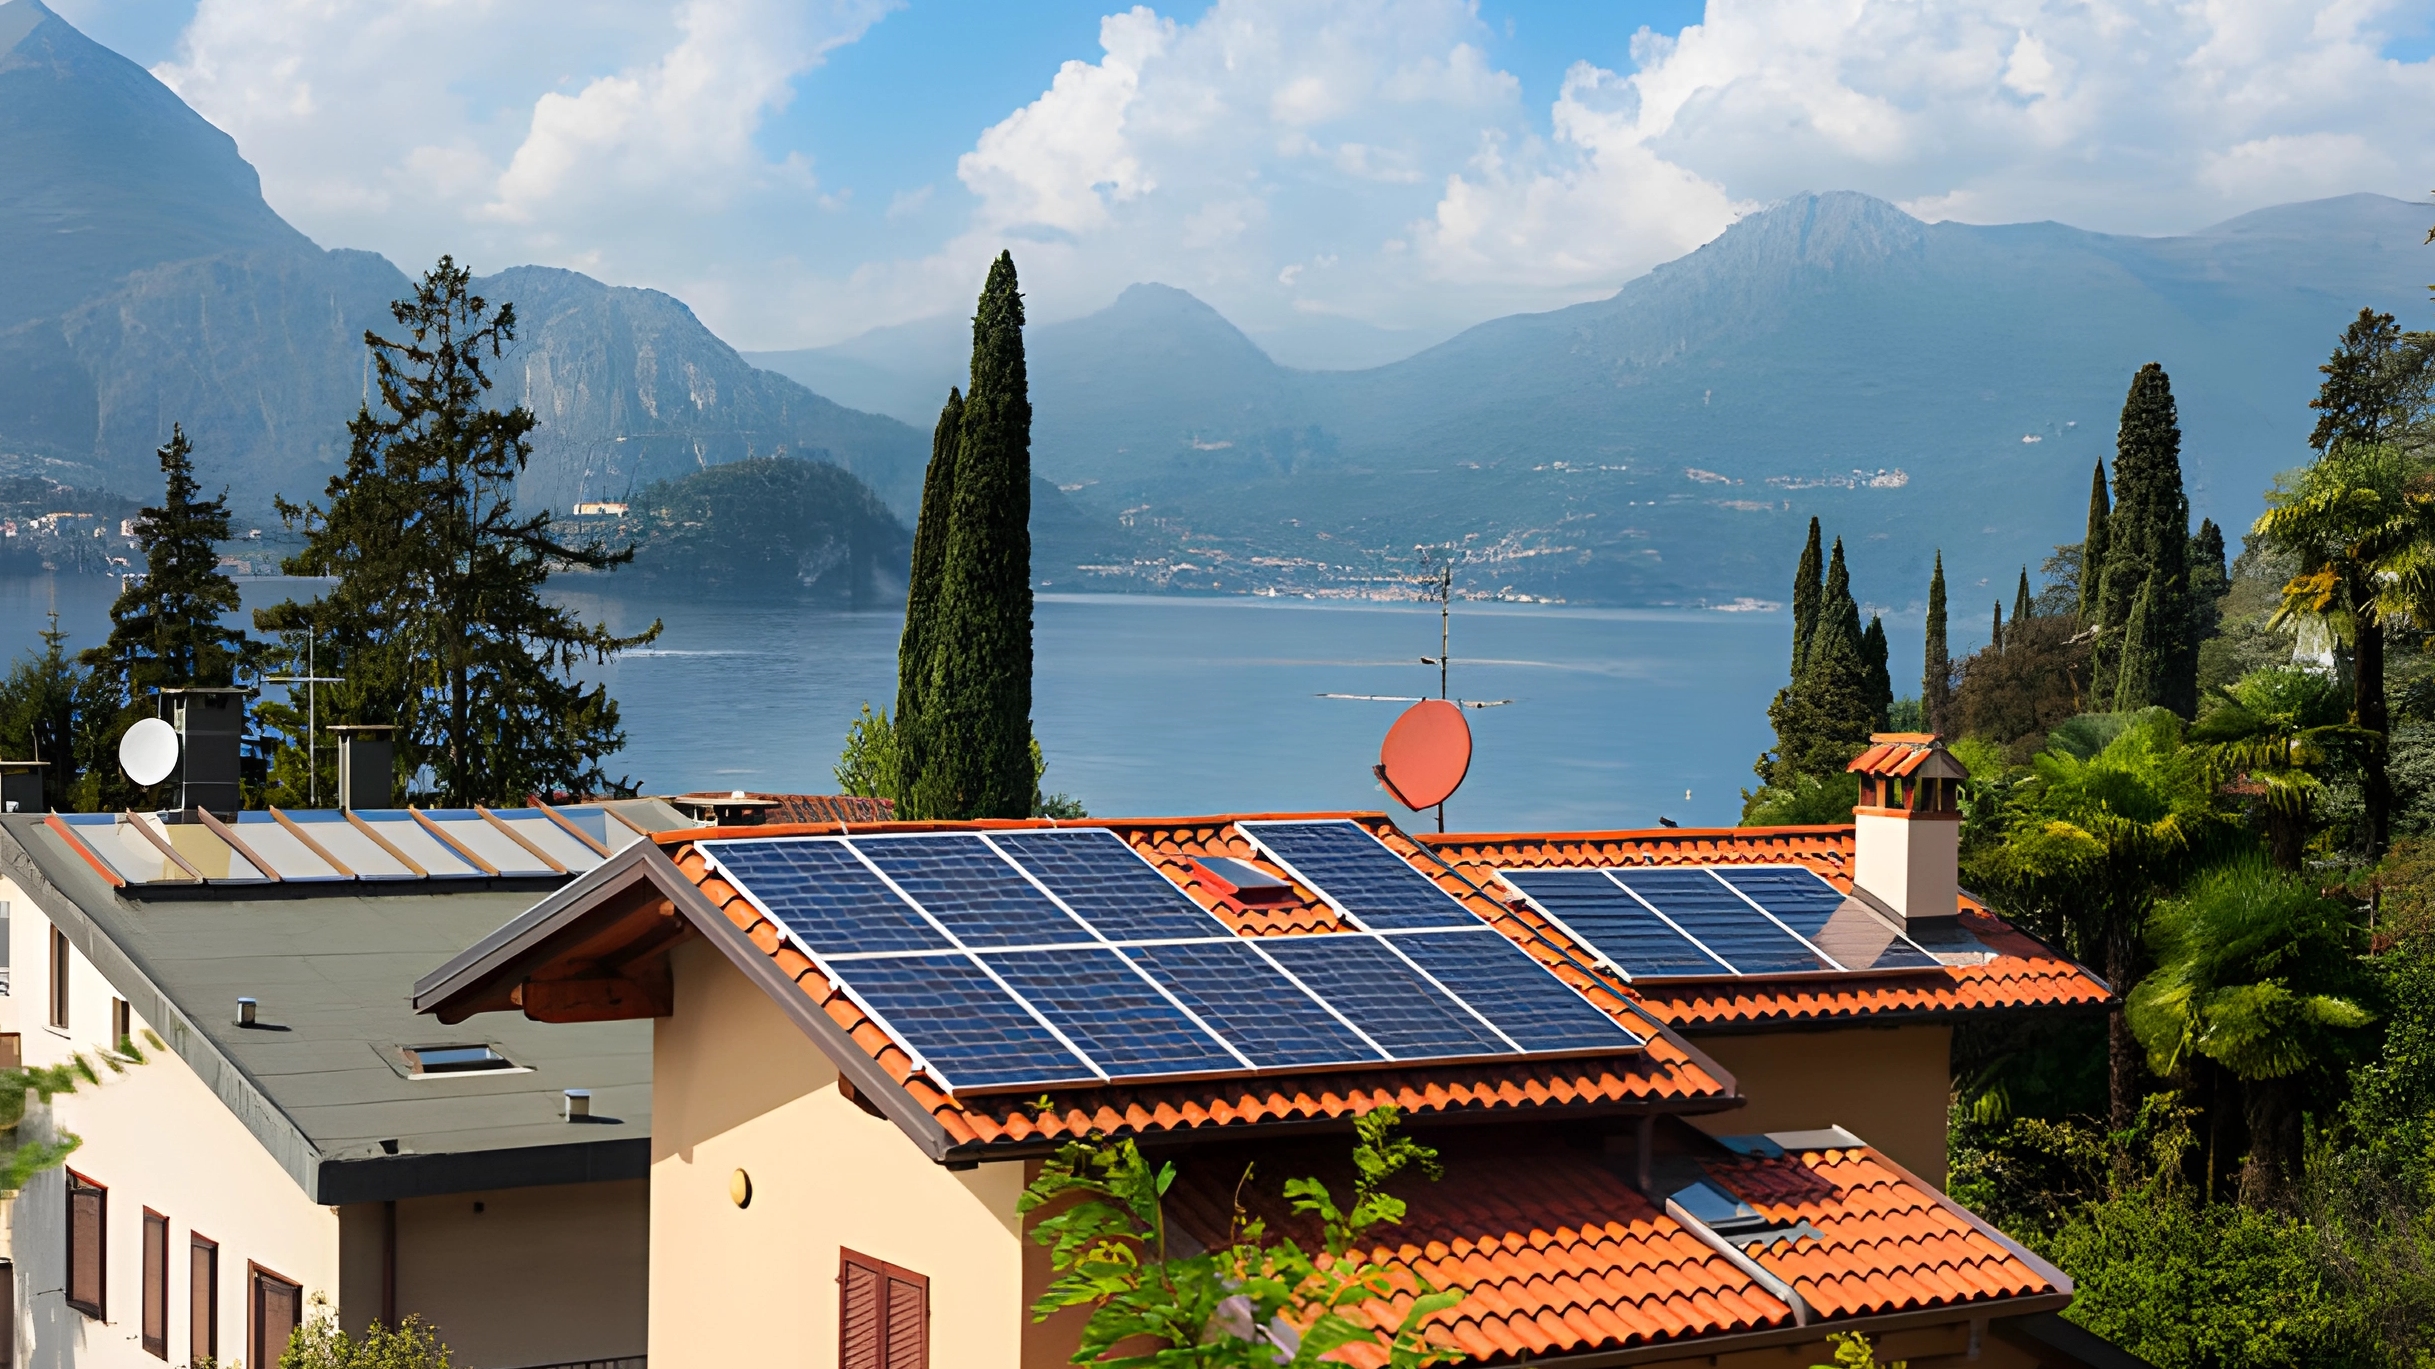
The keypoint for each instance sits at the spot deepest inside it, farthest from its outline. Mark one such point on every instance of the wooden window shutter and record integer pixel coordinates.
(156, 1284)
(88, 1236)
(60, 966)
(8, 1316)
(276, 1308)
(883, 1315)
(202, 1299)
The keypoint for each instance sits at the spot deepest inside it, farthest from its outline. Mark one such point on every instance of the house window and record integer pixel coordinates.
(156, 1284)
(59, 979)
(202, 1300)
(88, 1244)
(274, 1308)
(122, 1021)
(883, 1319)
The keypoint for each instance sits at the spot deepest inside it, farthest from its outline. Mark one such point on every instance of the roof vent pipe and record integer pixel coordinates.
(246, 1009)
(579, 1105)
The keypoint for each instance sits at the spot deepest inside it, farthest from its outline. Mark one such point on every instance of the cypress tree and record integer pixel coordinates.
(2140, 677)
(2210, 581)
(1838, 606)
(1825, 718)
(2149, 536)
(921, 598)
(1805, 596)
(1936, 685)
(1995, 635)
(2092, 549)
(1873, 655)
(2022, 607)
(975, 708)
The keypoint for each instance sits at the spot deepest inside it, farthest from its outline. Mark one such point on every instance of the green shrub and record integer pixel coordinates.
(320, 1344)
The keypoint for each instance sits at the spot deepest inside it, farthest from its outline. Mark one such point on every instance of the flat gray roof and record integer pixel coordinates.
(322, 1081)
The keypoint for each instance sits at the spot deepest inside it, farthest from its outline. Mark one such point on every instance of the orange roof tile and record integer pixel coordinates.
(1558, 1254)
(2023, 972)
(1664, 1073)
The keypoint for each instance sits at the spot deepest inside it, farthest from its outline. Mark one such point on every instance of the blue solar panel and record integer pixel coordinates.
(1855, 937)
(1101, 878)
(1344, 862)
(1393, 1004)
(1246, 1001)
(964, 1026)
(1739, 934)
(826, 899)
(1614, 923)
(973, 892)
(1527, 1002)
(1113, 1014)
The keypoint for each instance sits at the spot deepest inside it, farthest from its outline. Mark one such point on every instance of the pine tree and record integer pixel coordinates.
(1805, 596)
(2149, 536)
(2022, 606)
(2139, 679)
(2375, 382)
(913, 651)
(42, 703)
(1936, 684)
(975, 708)
(442, 621)
(1873, 654)
(2092, 550)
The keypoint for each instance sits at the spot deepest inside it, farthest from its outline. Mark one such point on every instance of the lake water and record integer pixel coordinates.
(1174, 706)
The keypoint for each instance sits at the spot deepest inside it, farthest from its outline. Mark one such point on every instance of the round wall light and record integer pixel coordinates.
(739, 1188)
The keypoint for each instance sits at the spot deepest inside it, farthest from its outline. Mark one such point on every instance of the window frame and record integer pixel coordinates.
(62, 966)
(122, 1021)
(8, 1314)
(257, 1278)
(99, 1307)
(156, 1286)
(889, 1275)
(202, 1313)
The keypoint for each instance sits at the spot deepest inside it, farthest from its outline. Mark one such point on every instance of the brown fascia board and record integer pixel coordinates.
(470, 982)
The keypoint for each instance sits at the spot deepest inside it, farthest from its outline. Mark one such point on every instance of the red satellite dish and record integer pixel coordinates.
(1426, 754)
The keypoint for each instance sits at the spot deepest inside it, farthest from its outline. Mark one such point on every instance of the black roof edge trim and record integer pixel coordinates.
(1994, 1313)
(570, 900)
(382, 1178)
(263, 891)
(2049, 1332)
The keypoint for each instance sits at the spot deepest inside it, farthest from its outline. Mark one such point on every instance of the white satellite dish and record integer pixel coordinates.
(149, 751)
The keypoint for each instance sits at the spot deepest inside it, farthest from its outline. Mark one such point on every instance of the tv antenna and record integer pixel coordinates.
(312, 724)
(1428, 751)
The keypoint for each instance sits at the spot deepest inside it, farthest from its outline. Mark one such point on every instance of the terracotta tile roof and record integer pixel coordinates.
(1559, 1254)
(1665, 1073)
(847, 808)
(2022, 972)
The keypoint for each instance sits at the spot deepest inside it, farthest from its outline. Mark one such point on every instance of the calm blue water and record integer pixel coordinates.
(1163, 706)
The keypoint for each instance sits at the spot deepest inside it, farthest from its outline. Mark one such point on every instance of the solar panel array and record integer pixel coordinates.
(1013, 960)
(1690, 921)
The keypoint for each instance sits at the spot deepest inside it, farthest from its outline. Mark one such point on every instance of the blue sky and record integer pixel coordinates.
(1344, 178)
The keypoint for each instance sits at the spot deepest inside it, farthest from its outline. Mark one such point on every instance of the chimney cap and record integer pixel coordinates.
(1908, 755)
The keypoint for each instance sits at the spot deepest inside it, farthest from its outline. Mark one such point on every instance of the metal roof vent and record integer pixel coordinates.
(1242, 881)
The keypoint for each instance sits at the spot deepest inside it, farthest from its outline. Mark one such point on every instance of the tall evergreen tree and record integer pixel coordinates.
(1825, 718)
(2376, 383)
(975, 709)
(441, 620)
(2022, 605)
(46, 704)
(913, 651)
(1995, 634)
(1874, 651)
(2139, 676)
(1936, 684)
(1806, 593)
(2149, 536)
(2210, 581)
(2092, 549)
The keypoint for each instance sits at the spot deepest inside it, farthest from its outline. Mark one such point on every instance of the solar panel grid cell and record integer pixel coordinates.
(1832, 921)
(1244, 999)
(1696, 901)
(1398, 1008)
(972, 891)
(825, 898)
(1356, 871)
(1108, 884)
(1118, 1018)
(1532, 1007)
(1620, 928)
(965, 1027)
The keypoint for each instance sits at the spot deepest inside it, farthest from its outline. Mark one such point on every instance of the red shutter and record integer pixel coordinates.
(883, 1315)
(202, 1300)
(278, 1305)
(88, 1229)
(156, 1284)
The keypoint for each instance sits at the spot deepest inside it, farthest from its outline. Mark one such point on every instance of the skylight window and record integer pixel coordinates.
(431, 1060)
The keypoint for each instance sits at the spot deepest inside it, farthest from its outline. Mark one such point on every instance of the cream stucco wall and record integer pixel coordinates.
(155, 1137)
(738, 1086)
(1886, 1085)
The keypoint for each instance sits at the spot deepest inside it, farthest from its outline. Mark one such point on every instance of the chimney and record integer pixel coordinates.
(367, 764)
(211, 733)
(21, 786)
(1908, 825)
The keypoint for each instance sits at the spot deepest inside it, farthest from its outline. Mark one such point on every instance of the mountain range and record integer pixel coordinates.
(1918, 386)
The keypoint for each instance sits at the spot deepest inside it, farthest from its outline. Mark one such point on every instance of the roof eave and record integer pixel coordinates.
(1714, 1347)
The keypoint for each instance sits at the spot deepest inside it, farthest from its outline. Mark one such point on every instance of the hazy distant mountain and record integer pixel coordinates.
(144, 281)
(1919, 385)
